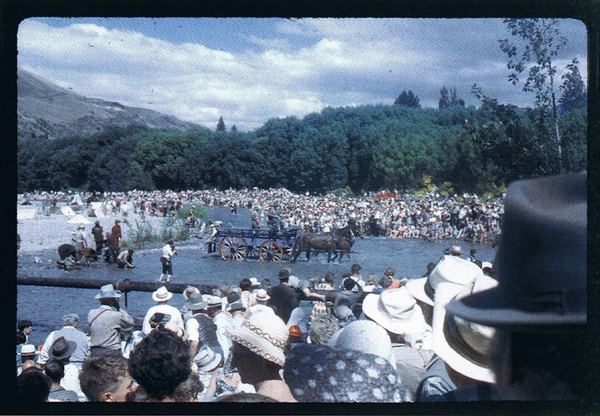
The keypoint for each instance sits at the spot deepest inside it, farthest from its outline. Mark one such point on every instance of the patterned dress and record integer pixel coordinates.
(320, 307)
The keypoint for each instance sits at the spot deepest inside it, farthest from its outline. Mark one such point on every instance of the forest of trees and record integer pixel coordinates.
(365, 148)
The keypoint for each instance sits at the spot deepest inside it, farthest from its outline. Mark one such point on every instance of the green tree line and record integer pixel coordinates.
(365, 148)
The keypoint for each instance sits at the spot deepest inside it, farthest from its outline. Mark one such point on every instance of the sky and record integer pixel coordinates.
(249, 70)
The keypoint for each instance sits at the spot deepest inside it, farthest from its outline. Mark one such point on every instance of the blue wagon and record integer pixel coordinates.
(265, 244)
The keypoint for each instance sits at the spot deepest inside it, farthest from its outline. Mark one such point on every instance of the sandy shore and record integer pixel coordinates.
(44, 233)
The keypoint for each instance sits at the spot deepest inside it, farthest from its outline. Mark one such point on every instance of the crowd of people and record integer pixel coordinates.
(426, 215)
(464, 331)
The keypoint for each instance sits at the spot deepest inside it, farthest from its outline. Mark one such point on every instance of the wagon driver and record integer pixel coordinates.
(274, 216)
(254, 218)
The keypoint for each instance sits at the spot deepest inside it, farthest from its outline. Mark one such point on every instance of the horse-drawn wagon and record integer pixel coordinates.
(270, 244)
(266, 244)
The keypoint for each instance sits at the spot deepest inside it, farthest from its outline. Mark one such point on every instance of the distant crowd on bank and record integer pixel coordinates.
(428, 216)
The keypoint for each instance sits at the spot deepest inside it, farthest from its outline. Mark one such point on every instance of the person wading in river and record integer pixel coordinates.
(168, 251)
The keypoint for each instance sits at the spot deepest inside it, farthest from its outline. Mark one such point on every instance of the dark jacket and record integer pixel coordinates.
(284, 298)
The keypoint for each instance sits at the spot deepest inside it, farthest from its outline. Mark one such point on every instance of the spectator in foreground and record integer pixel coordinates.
(109, 323)
(69, 331)
(322, 327)
(33, 387)
(539, 307)
(161, 296)
(317, 373)
(107, 379)
(160, 363)
(55, 370)
(258, 353)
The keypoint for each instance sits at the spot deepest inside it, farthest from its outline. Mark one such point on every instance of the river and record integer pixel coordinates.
(45, 306)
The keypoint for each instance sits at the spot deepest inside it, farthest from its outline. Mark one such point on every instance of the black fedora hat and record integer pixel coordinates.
(541, 262)
(61, 348)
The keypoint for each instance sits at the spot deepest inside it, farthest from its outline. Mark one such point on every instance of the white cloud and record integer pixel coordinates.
(299, 67)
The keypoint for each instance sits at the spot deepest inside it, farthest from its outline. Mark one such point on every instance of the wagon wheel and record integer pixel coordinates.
(288, 251)
(270, 251)
(252, 252)
(233, 247)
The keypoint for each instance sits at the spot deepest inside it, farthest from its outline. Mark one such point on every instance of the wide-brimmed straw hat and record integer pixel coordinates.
(263, 333)
(450, 269)
(462, 345)
(161, 294)
(395, 310)
(261, 295)
(206, 359)
(28, 350)
(541, 262)
(62, 348)
(365, 336)
(107, 292)
(213, 301)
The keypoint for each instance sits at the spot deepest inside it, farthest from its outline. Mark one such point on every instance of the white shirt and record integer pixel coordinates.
(167, 251)
(71, 380)
(167, 310)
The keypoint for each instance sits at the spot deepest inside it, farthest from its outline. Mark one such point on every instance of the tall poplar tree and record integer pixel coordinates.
(540, 42)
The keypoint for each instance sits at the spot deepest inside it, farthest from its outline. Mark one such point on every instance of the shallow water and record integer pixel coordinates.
(45, 306)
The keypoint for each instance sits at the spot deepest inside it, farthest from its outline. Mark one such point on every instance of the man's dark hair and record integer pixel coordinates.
(355, 268)
(349, 283)
(385, 282)
(101, 374)
(160, 363)
(390, 271)
(55, 370)
(21, 325)
(33, 386)
(246, 284)
(232, 297)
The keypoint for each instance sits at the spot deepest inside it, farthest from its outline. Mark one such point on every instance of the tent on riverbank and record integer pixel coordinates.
(26, 214)
(79, 219)
(67, 211)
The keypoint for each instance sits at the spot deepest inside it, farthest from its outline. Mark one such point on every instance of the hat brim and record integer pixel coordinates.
(196, 306)
(72, 347)
(212, 364)
(157, 299)
(489, 308)
(115, 296)
(258, 345)
(444, 294)
(416, 287)
(407, 326)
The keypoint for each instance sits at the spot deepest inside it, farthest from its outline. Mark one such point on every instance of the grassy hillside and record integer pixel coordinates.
(46, 110)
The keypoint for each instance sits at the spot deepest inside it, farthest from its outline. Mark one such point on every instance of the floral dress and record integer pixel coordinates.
(320, 307)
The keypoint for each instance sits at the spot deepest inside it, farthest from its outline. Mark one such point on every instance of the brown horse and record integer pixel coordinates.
(307, 241)
(345, 238)
(341, 239)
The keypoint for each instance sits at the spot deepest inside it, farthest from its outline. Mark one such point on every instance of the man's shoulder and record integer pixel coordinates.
(281, 289)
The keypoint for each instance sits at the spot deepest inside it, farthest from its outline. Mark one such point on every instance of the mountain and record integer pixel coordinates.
(46, 110)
